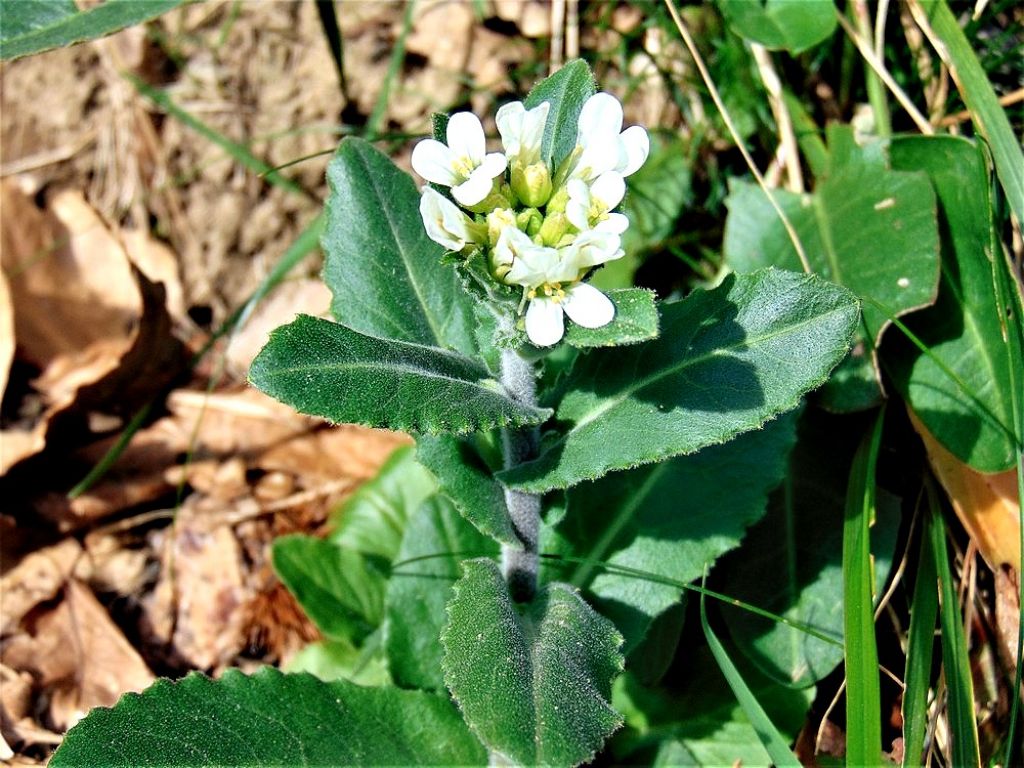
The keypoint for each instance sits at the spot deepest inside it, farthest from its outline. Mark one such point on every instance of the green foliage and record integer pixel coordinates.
(269, 719)
(533, 680)
(727, 361)
(325, 369)
(566, 91)
(794, 25)
(961, 387)
(34, 26)
(636, 320)
(385, 273)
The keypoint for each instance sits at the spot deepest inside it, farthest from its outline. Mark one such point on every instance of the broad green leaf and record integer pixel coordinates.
(325, 369)
(794, 25)
(338, 588)
(419, 591)
(373, 519)
(790, 562)
(673, 519)
(385, 273)
(864, 227)
(469, 483)
(636, 320)
(961, 388)
(566, 90)
(270, 718)
(330, 660)
(33, 26)
(532, 679)
(656, 195)
(727, 361)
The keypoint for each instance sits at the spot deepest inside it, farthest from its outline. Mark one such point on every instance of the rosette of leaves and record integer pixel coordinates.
(633, 462)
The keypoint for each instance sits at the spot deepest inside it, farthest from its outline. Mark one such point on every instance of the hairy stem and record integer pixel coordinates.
(520, 564)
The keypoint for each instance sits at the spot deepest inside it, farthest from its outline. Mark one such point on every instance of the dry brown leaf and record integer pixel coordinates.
(36, 579)
(79, 655)
(986, 504)
(319, 457)
(158, 263)
(1007, 589)
(6, 333)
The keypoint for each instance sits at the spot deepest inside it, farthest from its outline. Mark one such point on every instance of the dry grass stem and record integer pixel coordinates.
(787, 138)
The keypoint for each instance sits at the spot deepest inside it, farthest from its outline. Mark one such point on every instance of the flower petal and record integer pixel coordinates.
(637, 146)
(466, 136)
(578, 214)
(587, 306)
(444, 222)
(493, 164)
(609, 188)
(474, 189)
(433, 161)
(601, 116)
(509, 120)
(595, 247)
(544, 322)
(615, 224)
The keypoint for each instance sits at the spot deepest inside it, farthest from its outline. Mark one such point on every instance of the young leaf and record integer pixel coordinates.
(469, 483)
(924, 609)
(244, 720)
(636, 320)
(533, 680)
(34, 26)
(372, 520)
(325, 369)
(673, 519)
(339, 589)
(794, 25)
(566, 91)
(330, 660)
(385, 273)
(727, 361)
(418, 591)
(961, 388)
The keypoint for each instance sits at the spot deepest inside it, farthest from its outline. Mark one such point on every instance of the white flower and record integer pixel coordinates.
(592, 248)
(463, 164)
(445, 223)
(531, 265)
(522, 131)
(600, 147)
(589, 206)
(584, 304)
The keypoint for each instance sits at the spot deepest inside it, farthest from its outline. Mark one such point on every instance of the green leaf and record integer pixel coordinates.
(419, 591)
(636, 320)
(673, 519)
(793, 25)
(532, 679)
(656, 195)
(270, 718)
(469, 483)
(566, 90)
(866, 228)
(33, 26)
(372, 520)
(727, 361)
(961, 389)
(790, 562)
(325, 369)
(339, 589)
(385, 273)
(330, 660)
(924, 609)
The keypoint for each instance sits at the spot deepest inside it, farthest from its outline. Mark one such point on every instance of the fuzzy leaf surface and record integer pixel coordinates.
(385, 273)
(325, 369)
(34, 26)
(636, 320)
(533, 679)
(243, 720)
(794, 25)
(971, 414)
(566, 90)
(419, 591)
(469, 483)
(674, 519)
(727, 361)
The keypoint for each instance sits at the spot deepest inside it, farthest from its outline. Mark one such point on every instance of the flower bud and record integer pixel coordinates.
(530, 221)
(555, 227)
(496, 198)
(558, 201)
(532, 183)
(497, 220)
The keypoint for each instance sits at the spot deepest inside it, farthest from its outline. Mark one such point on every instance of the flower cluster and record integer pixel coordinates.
(543, 229)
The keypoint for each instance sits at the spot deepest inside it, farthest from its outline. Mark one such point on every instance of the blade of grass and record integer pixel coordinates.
(775, 745)
(956, 663)
(329, 21)
(943, 31)
(241, 153)
(303, 245)
(921, 643)
(863, 695)
(394, 65)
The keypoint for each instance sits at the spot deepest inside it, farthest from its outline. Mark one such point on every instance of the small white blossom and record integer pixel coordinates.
(531, 265)
(593, 248)
(589, 206)
(463, 164)
(445, 223)
(522, 131)
(584, 304)
(600, 147)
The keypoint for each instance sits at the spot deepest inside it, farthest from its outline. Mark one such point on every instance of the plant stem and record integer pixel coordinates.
(520, 564)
